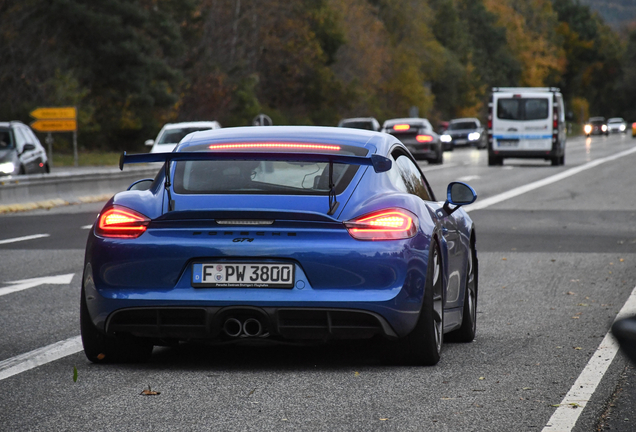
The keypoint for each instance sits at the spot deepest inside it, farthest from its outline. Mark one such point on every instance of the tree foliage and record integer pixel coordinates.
(132, 65)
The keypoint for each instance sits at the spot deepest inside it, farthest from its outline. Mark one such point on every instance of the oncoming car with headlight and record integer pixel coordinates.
(616, 125)
(464, 132)
(289, 234)
(596, 126)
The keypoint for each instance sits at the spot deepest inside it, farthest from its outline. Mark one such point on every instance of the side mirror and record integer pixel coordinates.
(624, 330)
(141, 185)
(28, 147)
(458, 194)
(149, 142)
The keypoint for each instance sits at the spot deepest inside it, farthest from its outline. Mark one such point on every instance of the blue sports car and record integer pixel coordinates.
(282, 234)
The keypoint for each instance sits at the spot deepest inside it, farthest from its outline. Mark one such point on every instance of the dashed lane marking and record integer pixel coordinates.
(39, 357)
(19, 239)
(21, 285)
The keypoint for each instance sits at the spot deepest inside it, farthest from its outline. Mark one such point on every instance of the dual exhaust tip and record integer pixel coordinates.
(234, 327)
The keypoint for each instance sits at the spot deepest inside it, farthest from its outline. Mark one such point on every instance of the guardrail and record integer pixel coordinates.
(69, 187)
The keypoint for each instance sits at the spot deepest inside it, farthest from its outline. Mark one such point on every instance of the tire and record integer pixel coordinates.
(100, 348)
(466, 333)
(22, 170)
(494, 160)
(562, 160)
(423, 346)
(47, 168)
(555, 161)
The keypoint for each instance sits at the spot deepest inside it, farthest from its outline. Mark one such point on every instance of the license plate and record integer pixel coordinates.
(242, 275)
(508, 143)
(461, 141)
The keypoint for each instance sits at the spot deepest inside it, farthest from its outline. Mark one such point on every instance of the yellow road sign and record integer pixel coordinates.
(54, 113)
(54, 125)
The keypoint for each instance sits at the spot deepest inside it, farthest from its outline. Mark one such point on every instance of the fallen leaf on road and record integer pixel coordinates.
(621, 260)
(575, 317)
(570, 293)
(527, 388)
(482, 378)
(504, 259)
(556, 405)
(74, 374)
(384, 419)
(575, 405)
(149, 392)
(578, 348)
(101, 356)
(583, 304)
(356, 374)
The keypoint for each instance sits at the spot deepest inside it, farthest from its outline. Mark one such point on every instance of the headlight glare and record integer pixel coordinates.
(473, 136)
(446, 138)
(7, 167)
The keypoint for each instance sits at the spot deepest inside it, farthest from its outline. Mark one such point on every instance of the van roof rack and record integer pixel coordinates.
(526, 89)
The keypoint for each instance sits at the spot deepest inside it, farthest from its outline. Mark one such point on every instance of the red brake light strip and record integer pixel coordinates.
(275, 145)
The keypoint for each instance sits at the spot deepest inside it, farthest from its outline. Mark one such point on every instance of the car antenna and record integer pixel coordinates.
(333, 203)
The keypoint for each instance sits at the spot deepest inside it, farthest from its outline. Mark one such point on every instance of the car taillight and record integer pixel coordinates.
(424, 138)
(401, 127)
(390, 224)
(121, 222)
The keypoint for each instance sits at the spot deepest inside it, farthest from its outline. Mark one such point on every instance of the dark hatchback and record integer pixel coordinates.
(20, 150)
(418, 136)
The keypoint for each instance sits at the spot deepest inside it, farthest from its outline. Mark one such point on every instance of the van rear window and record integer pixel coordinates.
(522, 108)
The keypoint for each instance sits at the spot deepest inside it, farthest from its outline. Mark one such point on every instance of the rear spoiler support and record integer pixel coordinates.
(379, 163)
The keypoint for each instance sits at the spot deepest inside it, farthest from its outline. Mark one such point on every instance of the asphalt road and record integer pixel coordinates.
(556, 266)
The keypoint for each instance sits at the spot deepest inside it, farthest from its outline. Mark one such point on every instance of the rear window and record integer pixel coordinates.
(522, 108)
(263, 177)
(358, 125)
(174, 136)
(462, 125)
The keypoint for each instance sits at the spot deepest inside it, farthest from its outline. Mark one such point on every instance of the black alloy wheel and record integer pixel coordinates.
(423, 346)
(468, 329)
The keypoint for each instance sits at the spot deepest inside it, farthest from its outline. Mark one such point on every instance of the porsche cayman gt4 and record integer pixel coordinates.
(280, 234)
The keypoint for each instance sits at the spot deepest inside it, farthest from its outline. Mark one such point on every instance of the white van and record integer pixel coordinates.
(526, 122)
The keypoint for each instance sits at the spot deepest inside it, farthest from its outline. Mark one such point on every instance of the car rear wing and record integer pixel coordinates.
(379, 163)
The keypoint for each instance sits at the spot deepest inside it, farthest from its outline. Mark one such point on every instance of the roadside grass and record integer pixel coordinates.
(86, 159)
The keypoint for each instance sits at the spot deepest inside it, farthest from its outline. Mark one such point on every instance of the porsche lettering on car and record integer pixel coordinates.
(289, 234)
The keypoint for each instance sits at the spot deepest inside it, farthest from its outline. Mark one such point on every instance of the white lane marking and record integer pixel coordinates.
(468, 178)
(566, 415)
(544, 182)
(40, 356)
(30, 283)
(87, 227)
(19, 239)
(438, 167)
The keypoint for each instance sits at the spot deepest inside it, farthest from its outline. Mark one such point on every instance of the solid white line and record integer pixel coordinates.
(39, 357)
(566, 415)
(544, 182)
(19, 239)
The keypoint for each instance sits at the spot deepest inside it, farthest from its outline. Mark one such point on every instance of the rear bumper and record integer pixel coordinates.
(527, 154)
(207, 323)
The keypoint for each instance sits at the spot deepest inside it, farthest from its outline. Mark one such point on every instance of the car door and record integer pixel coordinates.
(39, 154)
(416, 184)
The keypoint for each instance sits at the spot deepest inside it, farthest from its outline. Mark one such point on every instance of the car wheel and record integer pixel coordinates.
(494, 160)
(466, 333)
(21, 171)
(100, 348)
(47, 168)
(555, 160)
(562, 160)
(423, 346)
(439, 159)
